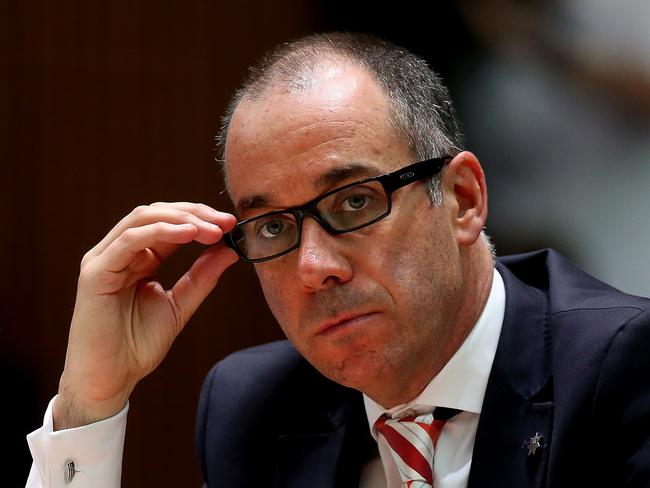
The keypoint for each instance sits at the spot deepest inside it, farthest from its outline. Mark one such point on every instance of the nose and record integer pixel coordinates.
(320, 262)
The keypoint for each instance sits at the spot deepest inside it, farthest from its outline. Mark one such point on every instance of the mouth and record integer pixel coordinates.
(343, 321)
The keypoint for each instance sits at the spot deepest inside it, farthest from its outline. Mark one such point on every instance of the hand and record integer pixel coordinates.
(124, 321)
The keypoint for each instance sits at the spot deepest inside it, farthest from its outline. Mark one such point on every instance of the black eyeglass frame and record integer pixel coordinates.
(390, 181)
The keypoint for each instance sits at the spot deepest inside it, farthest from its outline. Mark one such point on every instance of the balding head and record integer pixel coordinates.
(421, 112)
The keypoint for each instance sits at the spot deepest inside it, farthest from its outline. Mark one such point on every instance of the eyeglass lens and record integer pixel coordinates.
(346, 209)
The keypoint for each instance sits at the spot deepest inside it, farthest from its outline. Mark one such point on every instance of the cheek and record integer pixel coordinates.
(419, 269)
(401, 263)
(277, 297)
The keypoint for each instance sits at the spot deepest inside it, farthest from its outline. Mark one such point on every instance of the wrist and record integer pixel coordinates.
(70, 410)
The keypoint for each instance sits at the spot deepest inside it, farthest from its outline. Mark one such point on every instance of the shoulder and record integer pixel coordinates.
(261, 394)
(265, 362)
(267, 373)
(594, 332)
(274, 375)
(569, 291)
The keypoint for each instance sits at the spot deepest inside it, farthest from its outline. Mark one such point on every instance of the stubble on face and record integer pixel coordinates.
(404, 267)
(408, 272)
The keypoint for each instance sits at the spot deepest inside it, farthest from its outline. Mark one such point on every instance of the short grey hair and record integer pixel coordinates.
(422, 112)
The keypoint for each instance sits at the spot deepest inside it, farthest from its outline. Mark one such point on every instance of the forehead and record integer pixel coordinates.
(281, 145)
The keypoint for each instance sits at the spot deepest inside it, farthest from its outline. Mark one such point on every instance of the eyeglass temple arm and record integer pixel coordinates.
(414, 172)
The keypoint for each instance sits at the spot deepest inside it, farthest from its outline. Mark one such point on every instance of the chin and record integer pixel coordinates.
(363, 371)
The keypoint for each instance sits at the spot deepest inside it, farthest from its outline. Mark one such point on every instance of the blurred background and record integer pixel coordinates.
(108, 105)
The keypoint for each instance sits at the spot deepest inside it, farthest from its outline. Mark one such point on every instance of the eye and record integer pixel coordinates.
(271, 229)
(355, 202)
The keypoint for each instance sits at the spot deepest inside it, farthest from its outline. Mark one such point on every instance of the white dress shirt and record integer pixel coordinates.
(461, 385)
(96, 449)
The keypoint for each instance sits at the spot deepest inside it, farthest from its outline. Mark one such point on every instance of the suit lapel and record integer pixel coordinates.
(518, 401)
(331, 457)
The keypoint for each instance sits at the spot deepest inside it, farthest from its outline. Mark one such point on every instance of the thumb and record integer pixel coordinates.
(195, 285)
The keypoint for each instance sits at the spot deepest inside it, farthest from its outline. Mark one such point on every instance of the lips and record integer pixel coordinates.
(337, 323)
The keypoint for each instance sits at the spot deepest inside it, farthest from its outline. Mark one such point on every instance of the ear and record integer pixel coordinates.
(464, 184)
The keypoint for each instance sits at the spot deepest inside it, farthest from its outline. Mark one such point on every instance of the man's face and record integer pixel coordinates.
(370, 309)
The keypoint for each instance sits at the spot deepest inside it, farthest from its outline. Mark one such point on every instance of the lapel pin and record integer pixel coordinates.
(535, 442)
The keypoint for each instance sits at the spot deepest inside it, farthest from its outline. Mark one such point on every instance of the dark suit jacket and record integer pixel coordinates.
(573, 364)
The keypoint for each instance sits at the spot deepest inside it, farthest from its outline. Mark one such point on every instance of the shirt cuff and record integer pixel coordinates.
(95, 449)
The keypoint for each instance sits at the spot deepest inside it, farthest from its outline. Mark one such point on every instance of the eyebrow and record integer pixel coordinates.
(337, 175)
(323, 183)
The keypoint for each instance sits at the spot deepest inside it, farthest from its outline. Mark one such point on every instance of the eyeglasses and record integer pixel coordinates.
(345, 209)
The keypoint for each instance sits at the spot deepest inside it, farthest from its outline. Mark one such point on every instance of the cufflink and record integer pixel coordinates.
(69, 471)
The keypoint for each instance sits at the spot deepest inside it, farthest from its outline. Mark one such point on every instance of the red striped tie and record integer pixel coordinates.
(412, 441)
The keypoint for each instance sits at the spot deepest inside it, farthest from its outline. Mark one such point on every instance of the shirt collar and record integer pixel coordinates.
(461, 383)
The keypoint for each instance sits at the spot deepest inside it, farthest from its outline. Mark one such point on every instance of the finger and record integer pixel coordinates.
(224, 220)
(195, 285)
(144, 265)
(202, 216)
(124, 250)
(208, 233)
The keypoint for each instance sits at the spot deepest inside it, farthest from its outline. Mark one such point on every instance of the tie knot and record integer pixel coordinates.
(412, 441)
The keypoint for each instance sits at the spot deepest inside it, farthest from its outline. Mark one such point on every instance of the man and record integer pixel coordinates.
(364, 219)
